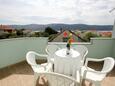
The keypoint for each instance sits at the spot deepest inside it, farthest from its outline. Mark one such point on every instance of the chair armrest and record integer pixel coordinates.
(47, 66)
(93, 71)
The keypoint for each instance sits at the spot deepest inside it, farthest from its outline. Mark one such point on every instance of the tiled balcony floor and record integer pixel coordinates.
(21, 74)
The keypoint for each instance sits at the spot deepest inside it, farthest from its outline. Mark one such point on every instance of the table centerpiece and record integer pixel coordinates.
(70, 40)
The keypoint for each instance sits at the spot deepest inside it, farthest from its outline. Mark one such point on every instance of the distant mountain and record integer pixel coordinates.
(57, 27)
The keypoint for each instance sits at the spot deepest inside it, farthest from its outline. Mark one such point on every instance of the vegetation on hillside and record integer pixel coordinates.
(50, 33)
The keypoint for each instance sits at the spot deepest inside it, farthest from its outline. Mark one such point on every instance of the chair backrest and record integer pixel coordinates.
(108, 64)
(56, 79)
(30, 57)
(50, 49)
(82, 50)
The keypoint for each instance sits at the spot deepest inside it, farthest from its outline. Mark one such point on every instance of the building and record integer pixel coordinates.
(6, 28)
(63, 37)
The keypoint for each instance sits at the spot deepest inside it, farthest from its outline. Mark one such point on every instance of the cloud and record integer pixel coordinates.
(59, 11)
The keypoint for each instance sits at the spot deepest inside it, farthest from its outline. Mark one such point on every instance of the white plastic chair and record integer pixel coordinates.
(83, 52)
(50, 50)
(31, 59)
(97, 76)
(56, 79)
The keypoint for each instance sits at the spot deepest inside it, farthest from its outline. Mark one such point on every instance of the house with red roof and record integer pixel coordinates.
(6, 28)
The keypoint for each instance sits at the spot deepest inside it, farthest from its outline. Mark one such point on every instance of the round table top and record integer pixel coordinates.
(62, 53)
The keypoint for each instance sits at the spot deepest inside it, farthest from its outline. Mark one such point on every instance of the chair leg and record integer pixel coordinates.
(79, 78)
(36, 76)
(90, 84)
(82, 82)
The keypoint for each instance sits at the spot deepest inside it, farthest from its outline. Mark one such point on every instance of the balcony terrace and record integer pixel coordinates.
(14, 71)
(21, 74)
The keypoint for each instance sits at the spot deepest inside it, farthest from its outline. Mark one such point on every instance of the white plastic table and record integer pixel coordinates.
(67, 64)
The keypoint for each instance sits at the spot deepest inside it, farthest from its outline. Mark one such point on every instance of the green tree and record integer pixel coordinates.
(50, 31)
(4, 35)
(12, 35)
(19, 32)
(37, 34)
(89, 34)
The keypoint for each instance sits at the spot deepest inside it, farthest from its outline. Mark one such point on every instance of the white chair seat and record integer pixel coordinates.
(44, 64)
(37, 68)
(44, 67)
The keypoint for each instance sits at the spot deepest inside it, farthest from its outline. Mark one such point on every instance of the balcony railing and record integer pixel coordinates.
(14, 50)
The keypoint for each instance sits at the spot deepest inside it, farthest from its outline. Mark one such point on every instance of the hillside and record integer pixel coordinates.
(57, 27)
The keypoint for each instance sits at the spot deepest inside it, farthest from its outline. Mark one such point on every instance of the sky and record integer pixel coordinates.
(92, 12)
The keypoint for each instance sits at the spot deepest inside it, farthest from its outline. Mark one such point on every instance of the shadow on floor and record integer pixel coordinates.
(24, 68)
(19, 68)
